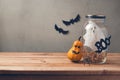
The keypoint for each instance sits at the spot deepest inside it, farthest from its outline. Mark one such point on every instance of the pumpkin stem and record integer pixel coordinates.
(79, 38)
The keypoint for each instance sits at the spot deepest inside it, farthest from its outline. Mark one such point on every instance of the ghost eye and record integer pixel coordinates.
(94, 27)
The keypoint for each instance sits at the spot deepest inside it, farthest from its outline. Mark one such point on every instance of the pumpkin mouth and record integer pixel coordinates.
(75, 52)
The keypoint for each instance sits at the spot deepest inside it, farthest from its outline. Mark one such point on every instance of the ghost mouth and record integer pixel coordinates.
(75, 52)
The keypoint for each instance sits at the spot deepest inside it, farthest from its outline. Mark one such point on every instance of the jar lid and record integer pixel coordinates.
(96, 16)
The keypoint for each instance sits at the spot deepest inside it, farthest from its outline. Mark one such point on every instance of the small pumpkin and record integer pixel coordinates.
(75, 53)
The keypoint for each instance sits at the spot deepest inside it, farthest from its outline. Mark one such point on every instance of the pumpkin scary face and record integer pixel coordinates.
(75, 53)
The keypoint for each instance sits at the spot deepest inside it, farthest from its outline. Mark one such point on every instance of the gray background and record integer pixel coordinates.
(28, 25)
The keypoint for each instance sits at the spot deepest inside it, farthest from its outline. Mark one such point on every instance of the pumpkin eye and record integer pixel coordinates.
(75, 45)
(78, 46)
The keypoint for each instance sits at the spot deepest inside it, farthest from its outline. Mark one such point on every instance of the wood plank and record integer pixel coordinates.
(43, 77)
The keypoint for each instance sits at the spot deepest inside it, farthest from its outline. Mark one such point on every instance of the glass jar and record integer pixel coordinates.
(96, 39)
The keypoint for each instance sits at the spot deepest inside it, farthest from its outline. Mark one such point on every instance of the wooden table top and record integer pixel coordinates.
(54, 63)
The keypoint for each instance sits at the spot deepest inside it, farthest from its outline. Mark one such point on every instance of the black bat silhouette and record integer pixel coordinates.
(72, 21)
(60, 30)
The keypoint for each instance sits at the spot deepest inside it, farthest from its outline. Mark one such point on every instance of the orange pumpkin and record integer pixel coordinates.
(75, 53)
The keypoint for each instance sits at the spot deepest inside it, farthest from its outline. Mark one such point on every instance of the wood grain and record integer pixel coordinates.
(30, 65)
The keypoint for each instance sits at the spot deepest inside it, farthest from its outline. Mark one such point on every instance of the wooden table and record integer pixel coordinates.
(55, 66)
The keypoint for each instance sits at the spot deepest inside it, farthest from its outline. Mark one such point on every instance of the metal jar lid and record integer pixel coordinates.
(96, 16)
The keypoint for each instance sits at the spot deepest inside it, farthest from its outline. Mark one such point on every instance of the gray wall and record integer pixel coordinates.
(28, 25)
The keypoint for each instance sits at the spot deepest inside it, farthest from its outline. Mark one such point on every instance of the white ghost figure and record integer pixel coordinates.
(93, 34)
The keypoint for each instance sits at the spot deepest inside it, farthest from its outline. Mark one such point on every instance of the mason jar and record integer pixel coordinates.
(96, 39)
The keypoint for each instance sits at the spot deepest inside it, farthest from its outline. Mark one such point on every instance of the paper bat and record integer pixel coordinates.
(60, 30)
(72, 21)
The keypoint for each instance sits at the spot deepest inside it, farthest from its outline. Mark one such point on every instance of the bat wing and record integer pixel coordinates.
(72, 21)
(67, 23)
(60, 30)
(77, 18)
(65, 32)
(56, 28)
